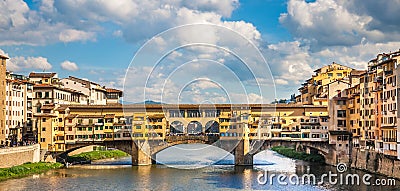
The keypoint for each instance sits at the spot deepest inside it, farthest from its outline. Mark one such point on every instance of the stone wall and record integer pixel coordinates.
(19, 155)
(375, 162)
(81, 150)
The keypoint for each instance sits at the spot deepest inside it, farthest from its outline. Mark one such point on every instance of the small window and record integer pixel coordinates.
(43, 119)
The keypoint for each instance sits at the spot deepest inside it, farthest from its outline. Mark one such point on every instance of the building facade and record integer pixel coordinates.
(95, 93)
(3, 132)
(18, 108)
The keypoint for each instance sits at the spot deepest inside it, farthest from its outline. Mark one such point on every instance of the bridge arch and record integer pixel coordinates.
(177, 127)
(195, 155)
(323, 148)
(194, 128)
(212, 127)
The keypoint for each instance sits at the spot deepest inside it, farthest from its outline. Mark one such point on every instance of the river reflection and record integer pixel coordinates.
(120, 175)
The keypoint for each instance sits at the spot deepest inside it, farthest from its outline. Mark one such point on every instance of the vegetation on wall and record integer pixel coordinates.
(96, 155)
(292, 153)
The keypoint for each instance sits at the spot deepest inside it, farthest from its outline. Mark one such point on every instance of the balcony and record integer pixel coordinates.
(389, 140)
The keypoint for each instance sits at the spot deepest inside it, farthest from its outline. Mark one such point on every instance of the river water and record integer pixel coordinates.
(179, 174)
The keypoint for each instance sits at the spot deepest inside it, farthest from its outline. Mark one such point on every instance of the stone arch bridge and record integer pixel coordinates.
(144, 152)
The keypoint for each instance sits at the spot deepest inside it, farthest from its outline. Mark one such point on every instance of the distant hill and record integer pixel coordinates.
(150, 102)
(144, 102)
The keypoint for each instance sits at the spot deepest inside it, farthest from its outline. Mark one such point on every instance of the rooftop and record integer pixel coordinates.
(3, 57)
(111, 90)
(80, 80)
(42, 75)
(358, 72)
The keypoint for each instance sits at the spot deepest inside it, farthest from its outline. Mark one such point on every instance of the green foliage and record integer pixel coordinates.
(27, 169)
(292, 153)
(96, 155)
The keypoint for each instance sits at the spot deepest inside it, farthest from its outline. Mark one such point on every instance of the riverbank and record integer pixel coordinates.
(96, 155)
(292, 153)
(27, 169)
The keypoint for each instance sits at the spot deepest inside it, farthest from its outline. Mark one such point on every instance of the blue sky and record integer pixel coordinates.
(98, 40)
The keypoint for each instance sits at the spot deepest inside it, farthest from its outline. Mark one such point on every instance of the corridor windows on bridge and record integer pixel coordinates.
(177, 113)
(154, 120)
(212, 113)
(194, 114)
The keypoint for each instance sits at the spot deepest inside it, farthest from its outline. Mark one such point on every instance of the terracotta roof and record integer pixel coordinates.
(82, 81)
(111, 90)
(18, 81)
(3, 57)
(44, 115)
(62, 107)
(109, 116)
(47, 106)
(357, 72)
(43, 85)
(70, 116)
(42, 75)
(55, 87)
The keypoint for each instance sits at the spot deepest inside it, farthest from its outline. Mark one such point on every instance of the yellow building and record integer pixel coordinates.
(315, 90)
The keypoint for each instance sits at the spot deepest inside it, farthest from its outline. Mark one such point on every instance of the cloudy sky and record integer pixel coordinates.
(142, 45)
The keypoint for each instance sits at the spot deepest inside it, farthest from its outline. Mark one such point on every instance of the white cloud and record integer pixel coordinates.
(326, 23)
(23, 64)
(21, 25)
(70, 66)
(71, 35)
(281, 81)
(81, 20)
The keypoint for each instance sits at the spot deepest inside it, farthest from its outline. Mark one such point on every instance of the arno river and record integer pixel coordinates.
(182, 173)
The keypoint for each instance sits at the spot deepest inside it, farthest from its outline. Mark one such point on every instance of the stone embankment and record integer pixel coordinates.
(19, 155)
(375, 162)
